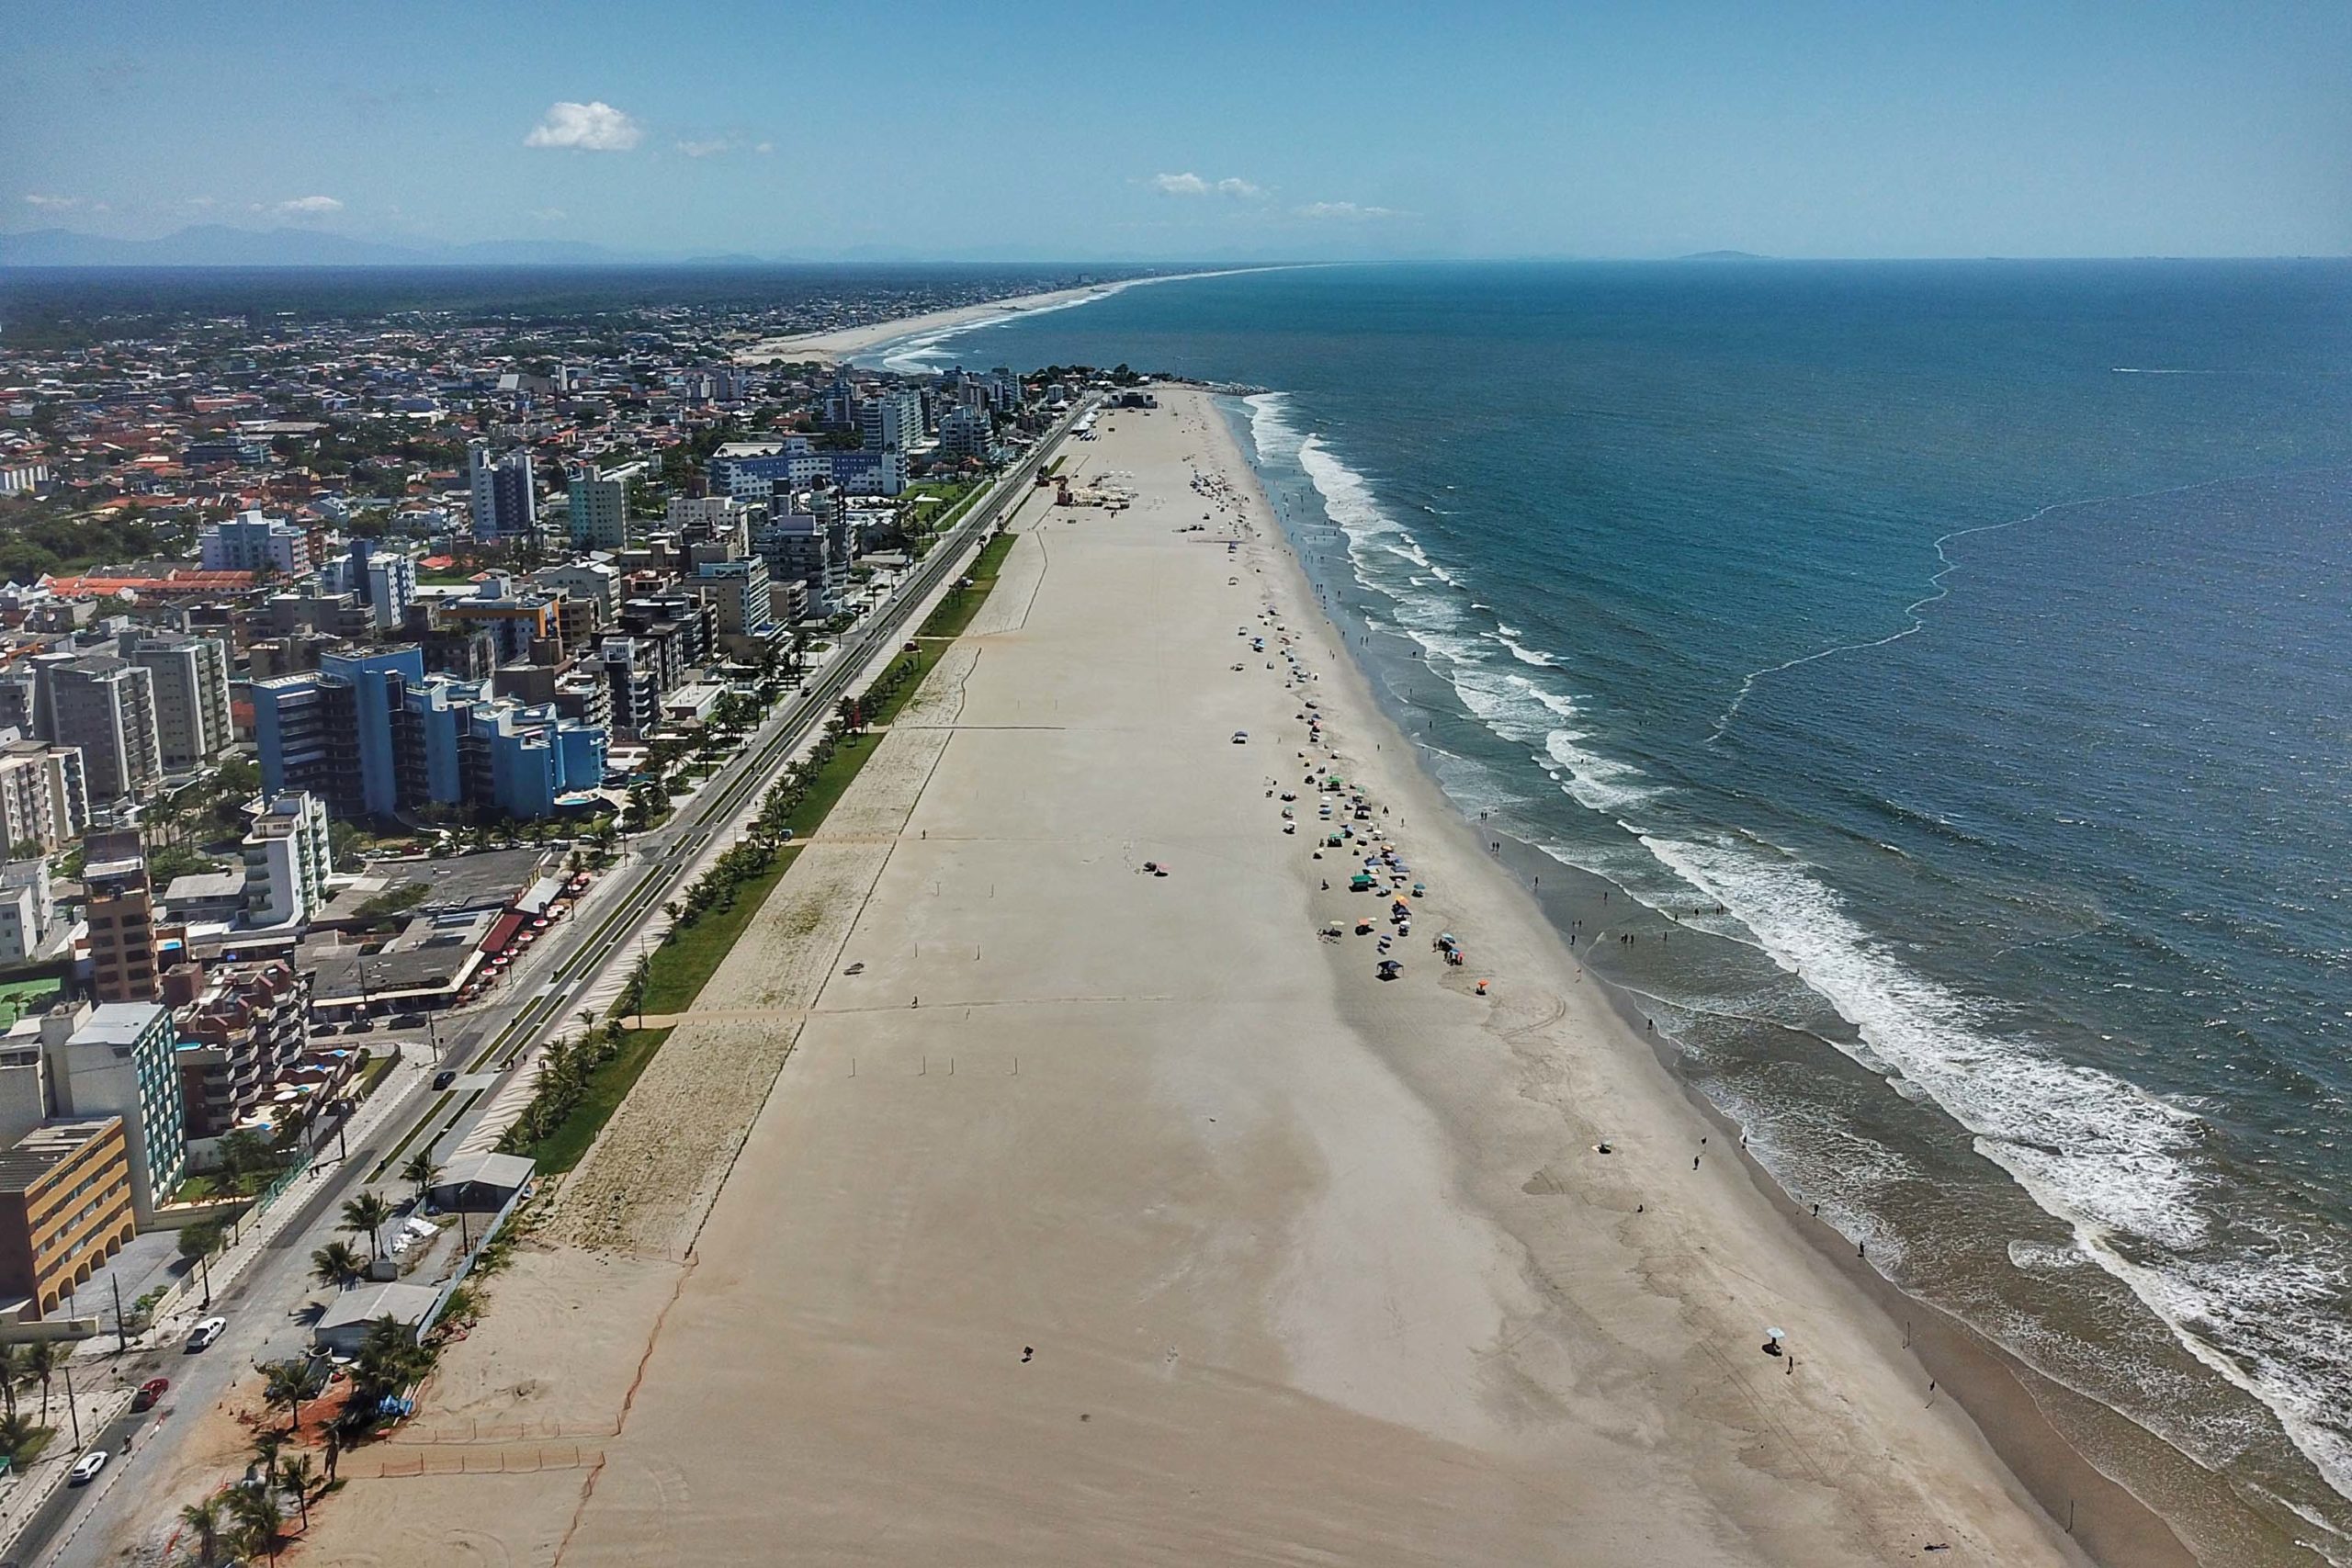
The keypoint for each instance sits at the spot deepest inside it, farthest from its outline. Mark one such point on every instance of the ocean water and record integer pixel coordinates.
(1960, 655)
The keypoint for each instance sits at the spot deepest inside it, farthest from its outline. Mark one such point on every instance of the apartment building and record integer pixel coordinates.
(44, 802)
(117, 1059)
(64, 1210)
(287, 860)
(106, 705)
(125, 963)
(189, 678)
(251, 542)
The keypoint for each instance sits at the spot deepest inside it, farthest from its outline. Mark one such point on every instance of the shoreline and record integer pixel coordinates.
(840, 344)
(2025, 1414)
(1092, 1214)
(2001, 1405)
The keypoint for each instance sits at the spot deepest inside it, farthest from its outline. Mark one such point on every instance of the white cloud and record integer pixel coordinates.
(1347, 211)
(764, 147)
(308, 207)
(1189, 184)
(588, 128)
(705, 148)
(549, 214)
(53, 203)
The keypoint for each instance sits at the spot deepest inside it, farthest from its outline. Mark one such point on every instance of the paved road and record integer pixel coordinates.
(269, 1304)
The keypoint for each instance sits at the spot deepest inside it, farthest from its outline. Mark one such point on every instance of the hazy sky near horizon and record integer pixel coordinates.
(1867, 128)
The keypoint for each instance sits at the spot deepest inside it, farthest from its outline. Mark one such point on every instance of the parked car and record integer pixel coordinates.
(408, 1020)
(149, 1393)
(86, 1468)
(445, 1077)
(206, 1333)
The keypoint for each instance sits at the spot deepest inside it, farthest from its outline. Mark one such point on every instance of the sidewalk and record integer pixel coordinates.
(179, 1312)
(23, 1497)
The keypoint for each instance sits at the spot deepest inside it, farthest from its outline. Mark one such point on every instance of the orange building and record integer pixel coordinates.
(65, 1208)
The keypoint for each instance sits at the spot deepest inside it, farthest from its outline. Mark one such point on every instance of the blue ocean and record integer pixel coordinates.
(1954, 661)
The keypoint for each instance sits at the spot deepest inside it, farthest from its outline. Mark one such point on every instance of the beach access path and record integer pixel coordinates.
(1103, 1216)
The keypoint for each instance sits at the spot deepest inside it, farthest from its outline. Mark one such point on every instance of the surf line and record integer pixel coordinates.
(1942, 590)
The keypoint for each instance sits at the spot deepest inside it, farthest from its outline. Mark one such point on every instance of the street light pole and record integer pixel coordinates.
(71, 1409)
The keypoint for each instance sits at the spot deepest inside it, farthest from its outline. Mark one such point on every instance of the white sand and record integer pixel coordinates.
(845, 342)
(1314, 1268)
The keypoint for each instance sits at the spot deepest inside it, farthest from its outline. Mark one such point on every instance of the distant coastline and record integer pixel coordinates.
(846, 343)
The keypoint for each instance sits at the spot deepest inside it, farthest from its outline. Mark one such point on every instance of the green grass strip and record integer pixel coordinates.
(607, 1086)
(677, 970)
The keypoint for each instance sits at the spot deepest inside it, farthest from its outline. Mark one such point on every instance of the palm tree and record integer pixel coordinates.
(12, 1371)
(16, 1434)
(300, 1479)
(199, 1241)
(268, 1443)
(287, 1384)
(420, 1170)
(259, 1518)
(204, 1518)
(367, 1212)
(338, 1263)
(42, 1360)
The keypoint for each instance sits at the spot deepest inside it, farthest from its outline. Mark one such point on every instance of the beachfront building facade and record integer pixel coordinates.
(64, 1210)
(117, 1059)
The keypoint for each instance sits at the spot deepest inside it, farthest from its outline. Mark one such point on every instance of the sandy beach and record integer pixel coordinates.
(1104, 1216)
(847, 341)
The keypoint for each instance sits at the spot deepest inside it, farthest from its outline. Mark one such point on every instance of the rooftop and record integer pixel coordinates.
(46, 1147)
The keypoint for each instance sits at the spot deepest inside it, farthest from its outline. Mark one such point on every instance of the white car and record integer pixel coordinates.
(86, 1468)
(206, 1333)
(1241, 737)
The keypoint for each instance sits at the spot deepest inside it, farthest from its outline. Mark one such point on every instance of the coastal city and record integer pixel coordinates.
(1076, 786)
(347, 663)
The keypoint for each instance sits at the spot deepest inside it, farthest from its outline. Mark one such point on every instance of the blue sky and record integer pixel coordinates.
(1208, 130)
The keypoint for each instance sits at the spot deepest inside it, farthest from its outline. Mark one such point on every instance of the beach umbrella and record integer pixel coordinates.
(1776, 1334)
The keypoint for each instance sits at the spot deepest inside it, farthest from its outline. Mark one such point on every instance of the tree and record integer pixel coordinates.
(302, 1480)
(12, 1373)
(367, 1212)
(259, 1519)
(203, 1518)
(290, 1383)
(338, 1263)
(16, 1433)
(42, 1358)
(197, 1243)
(419, 1171)
(242, 1152)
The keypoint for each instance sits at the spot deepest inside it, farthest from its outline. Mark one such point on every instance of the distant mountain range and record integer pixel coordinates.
(215, 245)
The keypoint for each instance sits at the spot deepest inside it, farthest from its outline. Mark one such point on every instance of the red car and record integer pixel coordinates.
(150, 1392)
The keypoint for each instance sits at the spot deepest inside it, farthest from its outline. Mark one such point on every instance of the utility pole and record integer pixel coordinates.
(122, 1335)
(71, 1409)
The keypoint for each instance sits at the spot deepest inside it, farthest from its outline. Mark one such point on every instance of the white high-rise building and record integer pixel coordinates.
(251, 542)
(504, 502)
(599, 511)
(891, 421)
(287, 860)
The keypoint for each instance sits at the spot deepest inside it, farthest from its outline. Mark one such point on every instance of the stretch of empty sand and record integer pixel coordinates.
(1108, 1217)
(845, 342)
